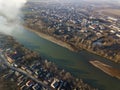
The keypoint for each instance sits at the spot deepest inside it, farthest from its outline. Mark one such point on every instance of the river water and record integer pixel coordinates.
(76, 63)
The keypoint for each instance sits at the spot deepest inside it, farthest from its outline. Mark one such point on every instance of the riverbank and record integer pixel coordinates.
(64, 44)
(28, 62)
(106, 68)
(76, 63)
(52, 39)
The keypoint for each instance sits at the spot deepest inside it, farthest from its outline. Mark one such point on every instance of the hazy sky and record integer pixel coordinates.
(10, 8)
(91, 1)
(9, 12)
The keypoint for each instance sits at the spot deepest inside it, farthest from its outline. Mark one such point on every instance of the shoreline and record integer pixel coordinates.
(106, 69)
(52, 39)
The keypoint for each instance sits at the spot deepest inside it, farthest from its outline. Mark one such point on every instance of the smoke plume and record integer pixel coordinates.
(10, 12)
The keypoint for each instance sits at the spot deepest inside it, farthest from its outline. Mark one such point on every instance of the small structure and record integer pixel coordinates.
(10, 60)
(55, 83)
(37, 87)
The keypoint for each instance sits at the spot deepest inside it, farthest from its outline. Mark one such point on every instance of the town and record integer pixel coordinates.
(82, 26)
(29, 71)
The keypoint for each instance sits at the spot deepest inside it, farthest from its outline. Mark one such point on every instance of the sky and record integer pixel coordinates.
(78, 0)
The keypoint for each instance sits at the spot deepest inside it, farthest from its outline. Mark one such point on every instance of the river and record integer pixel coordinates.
(76, 63)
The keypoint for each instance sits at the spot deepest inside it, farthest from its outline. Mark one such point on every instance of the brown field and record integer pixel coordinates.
(113, 12)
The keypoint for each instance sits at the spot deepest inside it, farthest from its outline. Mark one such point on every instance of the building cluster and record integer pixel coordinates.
(22, 81)
(76, 25)
(40, 74)
(37, 71)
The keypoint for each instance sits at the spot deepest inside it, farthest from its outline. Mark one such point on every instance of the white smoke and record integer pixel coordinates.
(10, 10)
